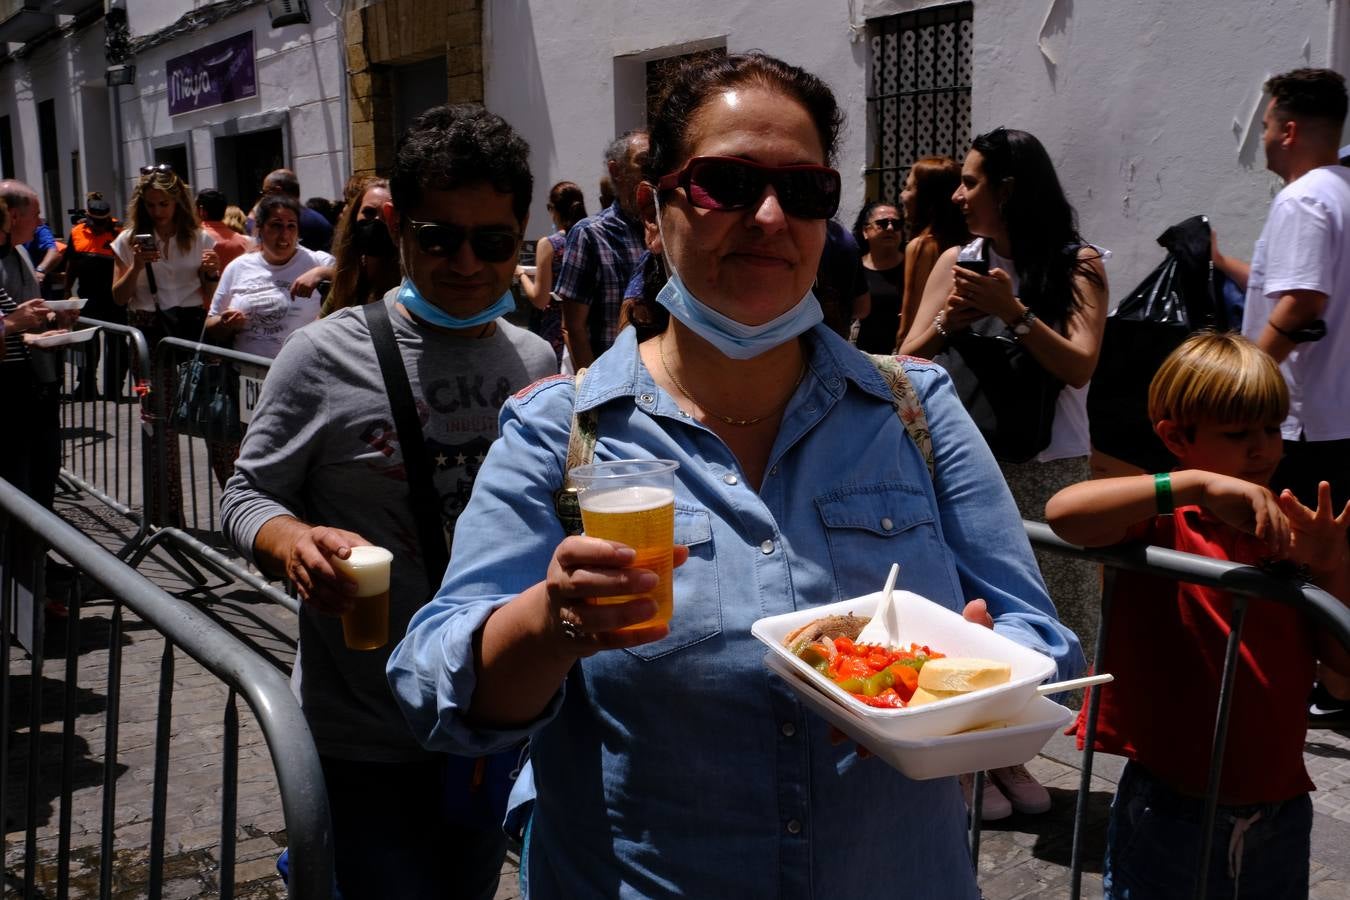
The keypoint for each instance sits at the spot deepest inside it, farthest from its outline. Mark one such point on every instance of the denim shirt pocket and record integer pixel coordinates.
(869, 526)
(698, 601)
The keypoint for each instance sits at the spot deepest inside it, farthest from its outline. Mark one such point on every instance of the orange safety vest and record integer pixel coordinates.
(86, 241)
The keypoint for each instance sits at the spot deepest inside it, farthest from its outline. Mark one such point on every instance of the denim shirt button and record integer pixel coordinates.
(788, 729)
(647, 399)
(794, 827)
(730, 479)
(766, 548)
(887, 524)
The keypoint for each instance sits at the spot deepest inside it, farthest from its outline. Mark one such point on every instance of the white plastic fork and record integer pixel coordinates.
(885, 625)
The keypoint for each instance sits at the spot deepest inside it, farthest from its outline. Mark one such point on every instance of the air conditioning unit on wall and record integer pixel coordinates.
(288, 12)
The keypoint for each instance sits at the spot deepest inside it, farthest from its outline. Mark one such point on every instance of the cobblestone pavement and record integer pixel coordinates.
(1021, 857)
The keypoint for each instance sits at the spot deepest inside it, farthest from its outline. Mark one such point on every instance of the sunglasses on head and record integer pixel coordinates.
(883, 224)
(730, 183)
(493, 245)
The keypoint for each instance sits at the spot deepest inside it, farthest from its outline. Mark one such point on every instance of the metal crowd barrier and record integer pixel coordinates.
(102, 441)
(1242, 582)
(129, 457)
(28, 532)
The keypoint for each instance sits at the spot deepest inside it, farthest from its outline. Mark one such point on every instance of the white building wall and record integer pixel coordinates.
(300, 75)
(1150, 108)
(300, 72)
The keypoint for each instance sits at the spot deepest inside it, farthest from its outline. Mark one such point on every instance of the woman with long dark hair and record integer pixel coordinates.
(366, 266)
(1021, 343)
(933, 222)
(642, 731)
(567, 207)
(879, 232)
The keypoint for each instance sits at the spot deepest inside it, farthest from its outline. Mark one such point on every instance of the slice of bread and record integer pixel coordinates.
(963, 674)
(922, 696)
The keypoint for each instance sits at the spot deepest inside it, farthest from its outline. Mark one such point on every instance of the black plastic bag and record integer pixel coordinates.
(1182, 295)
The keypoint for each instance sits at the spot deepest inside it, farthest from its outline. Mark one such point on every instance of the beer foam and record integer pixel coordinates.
(636, 498)
(368, 567)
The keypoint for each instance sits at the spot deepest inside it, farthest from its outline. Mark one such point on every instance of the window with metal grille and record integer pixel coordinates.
(919, 95)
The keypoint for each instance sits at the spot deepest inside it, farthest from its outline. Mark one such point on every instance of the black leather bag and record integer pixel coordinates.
(207, 402)
(1008, 394)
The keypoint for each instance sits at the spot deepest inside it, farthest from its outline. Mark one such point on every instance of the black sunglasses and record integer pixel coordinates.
(157, 169)
(493, 245)
(883, 224)
(731, 183)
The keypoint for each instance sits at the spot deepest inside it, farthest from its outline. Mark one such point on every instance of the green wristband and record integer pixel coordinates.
(1162, 490)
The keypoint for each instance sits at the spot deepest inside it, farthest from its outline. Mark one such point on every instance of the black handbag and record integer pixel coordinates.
(1183, 294)
(1009, 395)
(207, 402)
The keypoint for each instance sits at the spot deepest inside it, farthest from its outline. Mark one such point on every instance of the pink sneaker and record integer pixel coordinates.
(1026, 794)
(993, 805)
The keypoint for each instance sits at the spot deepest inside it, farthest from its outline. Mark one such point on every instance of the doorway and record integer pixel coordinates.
(243, 160)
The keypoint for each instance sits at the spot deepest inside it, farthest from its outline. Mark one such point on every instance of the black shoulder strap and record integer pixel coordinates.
(416, 458)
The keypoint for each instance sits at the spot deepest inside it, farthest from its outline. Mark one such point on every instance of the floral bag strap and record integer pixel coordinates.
(907, 406)
(580, 452)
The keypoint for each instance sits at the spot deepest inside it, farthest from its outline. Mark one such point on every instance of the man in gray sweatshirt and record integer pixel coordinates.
(322, 470)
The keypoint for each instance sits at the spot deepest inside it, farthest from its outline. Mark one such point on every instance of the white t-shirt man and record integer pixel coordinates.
(1305, 246)
(262, 292)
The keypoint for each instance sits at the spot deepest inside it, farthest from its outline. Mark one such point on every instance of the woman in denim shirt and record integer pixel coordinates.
(668, 761)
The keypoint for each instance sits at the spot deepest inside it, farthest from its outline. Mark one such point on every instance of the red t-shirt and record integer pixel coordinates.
(1166, 647)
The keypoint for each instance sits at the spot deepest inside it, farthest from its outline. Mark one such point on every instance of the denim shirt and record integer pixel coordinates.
(682, 767)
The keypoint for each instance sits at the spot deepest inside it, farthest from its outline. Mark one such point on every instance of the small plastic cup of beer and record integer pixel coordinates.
(366, 625)
(632, 501)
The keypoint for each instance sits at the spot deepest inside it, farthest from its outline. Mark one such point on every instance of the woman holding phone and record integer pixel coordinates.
(163, 266)
(1017, 316)
(667, 761)
(164, 263)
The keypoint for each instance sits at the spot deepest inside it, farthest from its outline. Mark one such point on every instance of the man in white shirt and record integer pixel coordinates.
(1298, 303)
(1298, 290)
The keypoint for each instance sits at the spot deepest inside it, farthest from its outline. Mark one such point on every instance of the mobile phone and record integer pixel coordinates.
(145, 241)
(978, 266)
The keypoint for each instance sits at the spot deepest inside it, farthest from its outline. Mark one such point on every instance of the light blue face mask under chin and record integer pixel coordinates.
(734, 339)
(419, 306)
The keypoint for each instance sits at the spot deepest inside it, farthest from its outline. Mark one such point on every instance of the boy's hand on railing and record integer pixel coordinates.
(1318, 536)
(1247, 507)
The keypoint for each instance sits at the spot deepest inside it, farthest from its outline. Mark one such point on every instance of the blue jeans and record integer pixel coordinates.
(391, 837)
(1154, 835)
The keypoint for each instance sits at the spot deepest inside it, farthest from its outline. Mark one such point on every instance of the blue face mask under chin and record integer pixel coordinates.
(734, 339)
(419, 306)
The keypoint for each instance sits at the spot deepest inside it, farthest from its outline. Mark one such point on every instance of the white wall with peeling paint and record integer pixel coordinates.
(1150, 108)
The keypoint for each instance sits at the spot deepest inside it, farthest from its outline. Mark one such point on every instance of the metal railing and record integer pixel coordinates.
(102, 442)
(1242, 582)
(28, 533)
(136, 463)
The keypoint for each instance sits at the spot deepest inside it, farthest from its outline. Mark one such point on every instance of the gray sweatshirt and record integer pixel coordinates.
(322, 447)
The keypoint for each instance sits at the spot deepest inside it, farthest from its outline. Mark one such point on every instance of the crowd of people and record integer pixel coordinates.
(714, 312)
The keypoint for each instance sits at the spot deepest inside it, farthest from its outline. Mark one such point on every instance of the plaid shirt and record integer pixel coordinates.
(601, 255)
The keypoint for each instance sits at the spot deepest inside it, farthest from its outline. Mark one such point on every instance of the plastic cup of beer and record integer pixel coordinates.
(632, 501)
(366, 625)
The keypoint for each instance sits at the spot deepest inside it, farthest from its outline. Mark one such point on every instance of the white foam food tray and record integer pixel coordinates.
(72, 303)
(1005, 743)
(943, 631)
(60, 340)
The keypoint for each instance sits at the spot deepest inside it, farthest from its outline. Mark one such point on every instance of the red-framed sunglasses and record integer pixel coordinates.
(731, 183)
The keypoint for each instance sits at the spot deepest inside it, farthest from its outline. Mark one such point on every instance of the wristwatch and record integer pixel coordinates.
(1021, 326)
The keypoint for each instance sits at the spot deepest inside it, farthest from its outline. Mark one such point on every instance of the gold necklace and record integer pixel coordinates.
(661, 348)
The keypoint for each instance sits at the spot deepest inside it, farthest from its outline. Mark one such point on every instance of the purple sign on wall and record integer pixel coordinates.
(215, 74)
